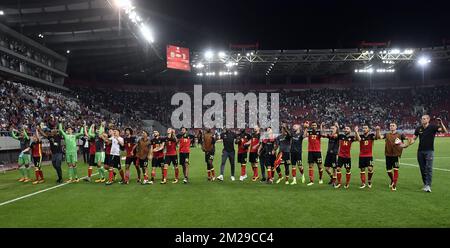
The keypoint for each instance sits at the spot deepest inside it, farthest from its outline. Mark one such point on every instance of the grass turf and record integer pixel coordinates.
(235, 204)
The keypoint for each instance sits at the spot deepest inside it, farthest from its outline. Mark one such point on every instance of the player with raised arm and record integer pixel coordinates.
(344, 156)
(394, 145)
(332, 153)
(184, 140)
(36, 154)
(253, 155)
(208, 147)
(55, 140)
(24, 156)
(171, 152)
(116, 143)
(366, 141)
(284, 143)
(268, 149)
(296, 154)
(96, 141)
(426, 133)
(130, 147)
(157, 149)
(70, 141)
(314, 150)
(243, 141)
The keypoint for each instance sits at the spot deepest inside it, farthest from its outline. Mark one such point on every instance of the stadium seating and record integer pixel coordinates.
(22, 104)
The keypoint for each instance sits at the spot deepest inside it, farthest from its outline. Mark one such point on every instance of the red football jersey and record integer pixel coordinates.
(314, 141)
(91, 146)
(171, 147)
(366, 145)
(36, 149)
(129, 143)
(345, 145)
(254, 142)
(242, 141)
(156, 143)
(108, 147)
(185, 144)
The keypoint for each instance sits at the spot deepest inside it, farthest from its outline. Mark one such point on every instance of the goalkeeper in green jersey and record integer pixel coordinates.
(24, 157)
(70, 140)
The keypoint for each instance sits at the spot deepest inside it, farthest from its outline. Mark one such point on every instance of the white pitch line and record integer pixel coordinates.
(38, 192)
(415, 165)
(434, 158)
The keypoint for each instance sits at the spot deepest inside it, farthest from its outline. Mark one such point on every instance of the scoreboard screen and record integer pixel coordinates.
(178, 58)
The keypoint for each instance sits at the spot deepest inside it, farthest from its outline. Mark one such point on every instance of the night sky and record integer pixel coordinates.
(297, 24)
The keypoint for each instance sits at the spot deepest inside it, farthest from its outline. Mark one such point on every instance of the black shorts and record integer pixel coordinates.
(92, 160)
(130, 160)
(184, 158)
(365, 162)
(253, 157)
(391, 162)
(242, 158)
(286, 159)
(269, 160)
(296, 158)
(314, 157)
(209, 156)
(107, 159)
(168, 159)
(158, 162)
(115, 161)
(143, 163)
(37, 161)
(344, 162)
(330, 160)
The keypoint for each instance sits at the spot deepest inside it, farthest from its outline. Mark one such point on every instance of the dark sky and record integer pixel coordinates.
(293, 24)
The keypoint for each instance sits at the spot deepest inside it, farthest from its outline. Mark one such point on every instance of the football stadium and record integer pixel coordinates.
(189, 114)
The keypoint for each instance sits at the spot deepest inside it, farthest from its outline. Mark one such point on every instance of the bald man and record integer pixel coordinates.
(425, 154)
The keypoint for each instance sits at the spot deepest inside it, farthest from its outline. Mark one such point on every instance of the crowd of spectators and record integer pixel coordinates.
(23, 66)
(23, 105)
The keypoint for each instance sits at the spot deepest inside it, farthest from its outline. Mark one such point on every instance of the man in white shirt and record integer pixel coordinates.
(116, 144)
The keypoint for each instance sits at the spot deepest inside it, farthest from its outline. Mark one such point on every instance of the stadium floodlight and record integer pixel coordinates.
(370, 70)
(230, 64)
(209, 54)
(199, 65)
(147, 33)
(2, 12)
(248, 54)
(222, 54)
(235, 73)
(394, 51)
(123, 4)
(41, 36)
(68, 51)
(423, 61)
(408, 51)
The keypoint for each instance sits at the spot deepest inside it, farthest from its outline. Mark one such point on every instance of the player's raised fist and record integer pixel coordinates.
(356, 128)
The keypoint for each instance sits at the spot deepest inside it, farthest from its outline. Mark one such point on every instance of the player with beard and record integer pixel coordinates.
(296, 154)
(332, 152)
(253, 157)
(314, 151)
(143, 154)
(344, 157)
(366, 141)
(171, 152)
(243, 141)
(284, 143)
(268, 149)
(184, 140)
(130, 147)
(208, 147)
(157, 149)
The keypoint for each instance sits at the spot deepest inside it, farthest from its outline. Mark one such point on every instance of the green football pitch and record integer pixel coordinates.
(234, 204)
